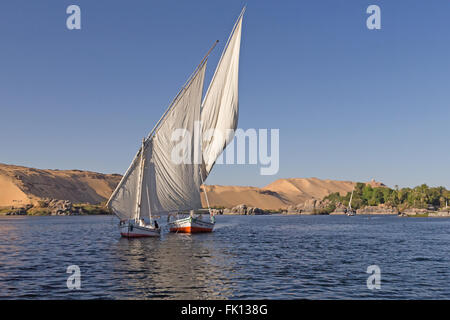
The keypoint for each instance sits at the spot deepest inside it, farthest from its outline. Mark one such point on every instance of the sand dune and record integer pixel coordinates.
(230, 196)
(297, 190)
(279, 194)
(10, 194)
(21, 185)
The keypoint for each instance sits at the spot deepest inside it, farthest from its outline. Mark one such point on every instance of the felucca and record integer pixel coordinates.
(350, 211)
(219, 115)
(155, 184)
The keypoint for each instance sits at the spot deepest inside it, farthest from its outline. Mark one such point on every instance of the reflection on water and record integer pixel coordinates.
(260, 257)
(176, 267)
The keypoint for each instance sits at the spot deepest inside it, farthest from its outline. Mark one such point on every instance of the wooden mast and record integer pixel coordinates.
(139, 185)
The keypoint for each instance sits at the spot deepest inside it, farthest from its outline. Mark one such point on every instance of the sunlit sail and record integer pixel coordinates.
(155, 184)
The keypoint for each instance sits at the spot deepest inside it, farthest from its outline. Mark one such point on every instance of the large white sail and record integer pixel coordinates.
(221, 104)
(154, 183)
(172, 186)
(163, 185)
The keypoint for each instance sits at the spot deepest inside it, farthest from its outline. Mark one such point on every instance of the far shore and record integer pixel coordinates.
(54, 207)
(431, 214)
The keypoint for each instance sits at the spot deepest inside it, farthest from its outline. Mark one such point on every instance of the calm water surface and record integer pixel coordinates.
(247, 257)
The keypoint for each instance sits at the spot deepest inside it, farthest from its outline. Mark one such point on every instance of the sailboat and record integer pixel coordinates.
(219, 114)
(349, 211)
(155, 184)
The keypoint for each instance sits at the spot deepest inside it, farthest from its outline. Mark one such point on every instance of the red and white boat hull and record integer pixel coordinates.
(191, 225)
(134, 231)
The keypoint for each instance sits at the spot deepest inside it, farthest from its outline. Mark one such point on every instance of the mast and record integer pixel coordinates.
(149, 207)
(204, 190)
(139, 184)
(351, 196)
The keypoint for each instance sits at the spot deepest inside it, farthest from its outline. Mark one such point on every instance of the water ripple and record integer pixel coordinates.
(261, 257)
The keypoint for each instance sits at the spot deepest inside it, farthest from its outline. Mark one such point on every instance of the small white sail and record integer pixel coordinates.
(350, 202)
(123, 200)
(221, 104)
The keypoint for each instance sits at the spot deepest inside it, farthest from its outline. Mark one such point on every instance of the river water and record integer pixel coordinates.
(246, 257)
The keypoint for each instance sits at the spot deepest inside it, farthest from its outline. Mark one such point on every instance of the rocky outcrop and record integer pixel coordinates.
(16, 211)
(216, 212)
(414, 212)
(380, 209)
(312, 206)
(54, 207)
(442, 213)
(60, 207)
(340, 209)
(242, 209)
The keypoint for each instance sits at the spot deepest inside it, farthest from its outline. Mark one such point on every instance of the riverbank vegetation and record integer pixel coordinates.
(420, 197)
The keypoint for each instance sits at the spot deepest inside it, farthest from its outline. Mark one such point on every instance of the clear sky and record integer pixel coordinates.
(350, 103)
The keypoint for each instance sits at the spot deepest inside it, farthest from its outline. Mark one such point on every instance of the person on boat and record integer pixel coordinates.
(156, 224)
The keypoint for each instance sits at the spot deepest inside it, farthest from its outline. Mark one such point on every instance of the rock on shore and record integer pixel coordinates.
(380, 209)
(340, 209)
(55, 207)
(414, 212)
(312, 206)
(243, 209)
(442, 213)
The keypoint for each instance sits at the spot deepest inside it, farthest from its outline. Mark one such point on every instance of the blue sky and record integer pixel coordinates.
(350, 103)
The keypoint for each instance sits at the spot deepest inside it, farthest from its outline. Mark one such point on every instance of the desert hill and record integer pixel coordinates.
(279, 194)
(298, 190)
(231, 196)
(21, 185)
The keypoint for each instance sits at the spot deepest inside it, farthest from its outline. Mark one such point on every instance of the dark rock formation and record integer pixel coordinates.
(311, 206)
(242, 209)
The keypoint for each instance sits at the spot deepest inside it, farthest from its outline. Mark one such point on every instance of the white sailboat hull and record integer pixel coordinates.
(191, 225)
(129, 230)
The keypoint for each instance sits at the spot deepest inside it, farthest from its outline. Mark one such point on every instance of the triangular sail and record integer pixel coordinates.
(350, 202)
(221, 104)
(173, 186)
(165, 185)
(158, 184)
(123, 200)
